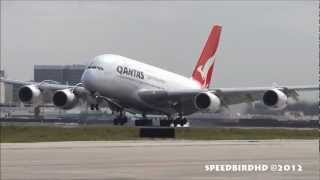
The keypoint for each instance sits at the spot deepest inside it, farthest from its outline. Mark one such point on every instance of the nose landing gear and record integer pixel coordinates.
(94, 107)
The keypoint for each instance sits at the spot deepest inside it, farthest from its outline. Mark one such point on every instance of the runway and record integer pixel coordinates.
(157, 159)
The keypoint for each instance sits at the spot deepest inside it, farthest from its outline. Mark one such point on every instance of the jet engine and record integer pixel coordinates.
(29, 94)
(275, 99)
(207, 101)
(65, 99)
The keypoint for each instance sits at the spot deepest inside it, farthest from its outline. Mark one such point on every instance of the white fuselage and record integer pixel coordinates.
(121, 78)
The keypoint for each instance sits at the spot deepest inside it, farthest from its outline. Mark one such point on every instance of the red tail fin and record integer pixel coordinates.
(204, 68)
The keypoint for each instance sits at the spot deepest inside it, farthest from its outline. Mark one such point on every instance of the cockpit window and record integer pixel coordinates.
(96, 67)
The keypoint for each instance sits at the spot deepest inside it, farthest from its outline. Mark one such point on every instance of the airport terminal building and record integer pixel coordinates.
(6, 91)
(65, 74)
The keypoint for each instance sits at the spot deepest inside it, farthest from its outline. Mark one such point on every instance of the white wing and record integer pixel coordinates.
(228, 96)
(51, 85)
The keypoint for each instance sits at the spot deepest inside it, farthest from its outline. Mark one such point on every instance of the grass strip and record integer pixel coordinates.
(14, 133)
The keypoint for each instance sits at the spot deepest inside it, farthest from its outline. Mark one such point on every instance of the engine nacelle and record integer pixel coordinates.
(64, 99)
(275, 99)
(29, 94)
(207, 101)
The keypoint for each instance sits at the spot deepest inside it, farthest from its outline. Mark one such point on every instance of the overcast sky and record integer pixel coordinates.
(262, 42)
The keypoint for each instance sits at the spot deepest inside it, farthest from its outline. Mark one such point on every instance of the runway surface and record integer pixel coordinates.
(157, 159)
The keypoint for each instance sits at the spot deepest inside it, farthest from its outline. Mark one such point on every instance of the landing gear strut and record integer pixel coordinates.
(37, 111)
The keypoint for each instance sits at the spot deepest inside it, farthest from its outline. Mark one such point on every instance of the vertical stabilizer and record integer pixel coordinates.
(205, 66)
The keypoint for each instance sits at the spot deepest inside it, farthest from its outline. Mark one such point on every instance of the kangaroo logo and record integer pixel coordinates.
(203, 69)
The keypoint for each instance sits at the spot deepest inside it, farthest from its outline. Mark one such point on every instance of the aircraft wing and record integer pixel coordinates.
(228, 96)
(47, 88)
(47, 85)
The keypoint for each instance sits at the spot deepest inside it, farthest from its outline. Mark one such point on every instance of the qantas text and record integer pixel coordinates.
(130, 72)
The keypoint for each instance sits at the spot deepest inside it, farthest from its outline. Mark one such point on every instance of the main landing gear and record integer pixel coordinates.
(180, 121)
(121, 119)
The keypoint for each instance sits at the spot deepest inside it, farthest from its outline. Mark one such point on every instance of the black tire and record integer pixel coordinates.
(123, 120)
(177, 121)
(120, 120)
(183, 121)
(97, 107)
(115, 121)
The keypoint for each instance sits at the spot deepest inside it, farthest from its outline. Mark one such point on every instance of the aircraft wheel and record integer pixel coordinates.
(180, 122)
(183, 121)
(176, 122)
(120, 120)
(97, 107)
(115, 121)
(123, 120)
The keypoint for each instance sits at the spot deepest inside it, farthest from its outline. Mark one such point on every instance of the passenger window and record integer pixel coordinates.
(96, 67)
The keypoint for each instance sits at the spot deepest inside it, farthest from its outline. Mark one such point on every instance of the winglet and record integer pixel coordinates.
(205, 66)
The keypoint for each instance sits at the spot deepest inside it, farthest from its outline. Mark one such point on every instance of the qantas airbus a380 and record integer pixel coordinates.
(131, 86)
